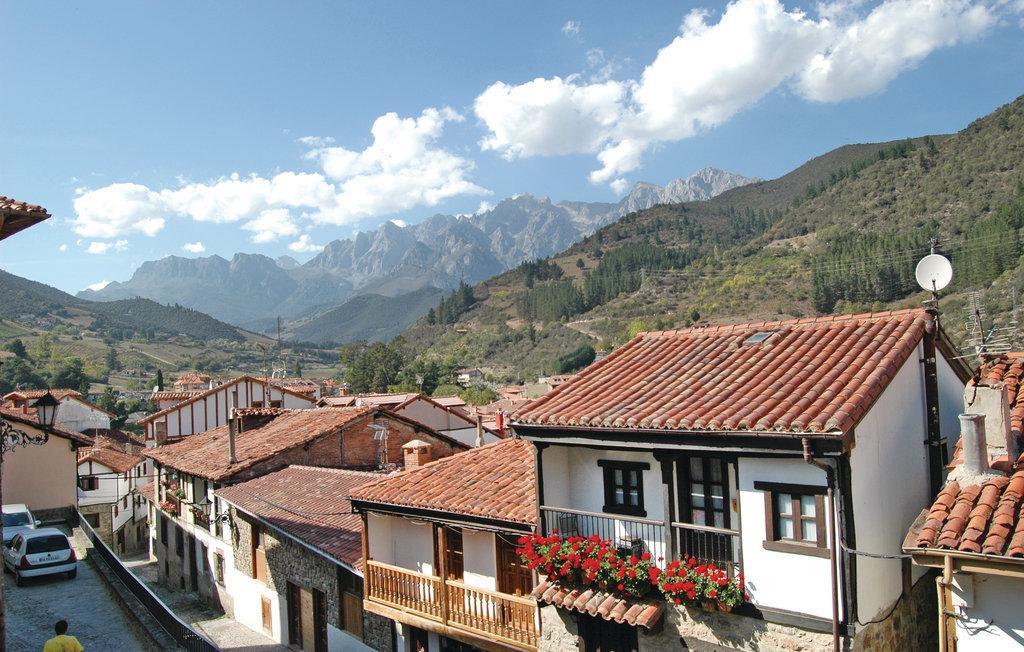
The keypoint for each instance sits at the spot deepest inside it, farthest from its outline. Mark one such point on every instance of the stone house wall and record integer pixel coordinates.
(911, 625)
(105, 527)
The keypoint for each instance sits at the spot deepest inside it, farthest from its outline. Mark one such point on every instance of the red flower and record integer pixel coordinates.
(646, 556)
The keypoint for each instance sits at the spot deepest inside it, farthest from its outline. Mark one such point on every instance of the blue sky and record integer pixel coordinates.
(128, 120)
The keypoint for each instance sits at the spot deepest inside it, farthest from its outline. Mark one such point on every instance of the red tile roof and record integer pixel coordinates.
(810, 376)
(191, 378)
(206, 454)
(982, 518)
(109, 453)
(496, 481)
(174, 394)
(602, 604)
(309, 503)
(59, 394)
(17, 215)
(120, 438)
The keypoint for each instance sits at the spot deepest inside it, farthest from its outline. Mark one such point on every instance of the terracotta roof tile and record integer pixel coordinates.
(638, 613)
(811, 376)
(110, 453)
(309, 503)
(208, 392)
(17, 215)
(206, 454)
(984, 518)
(120, 438)
(174, 394)
(493, 481)
(1007, 368)
(59, 394)
(191, 378)
(16, 415)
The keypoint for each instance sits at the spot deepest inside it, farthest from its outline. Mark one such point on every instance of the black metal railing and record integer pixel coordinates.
(719, 546)
(184, 635)
(628, 533)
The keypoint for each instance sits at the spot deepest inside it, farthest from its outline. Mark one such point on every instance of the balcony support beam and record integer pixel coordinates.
(668, 463)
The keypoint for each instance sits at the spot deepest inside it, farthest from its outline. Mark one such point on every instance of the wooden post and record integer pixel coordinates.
(668, 505)
(366, 556)
(441, 541)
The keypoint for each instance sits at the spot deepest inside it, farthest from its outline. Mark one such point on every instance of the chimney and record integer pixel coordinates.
(416, 453)
(993, 403)
(479, 430)
(972, 436)
(231, 427)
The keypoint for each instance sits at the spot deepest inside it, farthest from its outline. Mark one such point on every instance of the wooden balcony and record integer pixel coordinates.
(509, 621)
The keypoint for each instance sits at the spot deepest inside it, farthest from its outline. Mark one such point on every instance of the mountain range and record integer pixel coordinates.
(252, 290)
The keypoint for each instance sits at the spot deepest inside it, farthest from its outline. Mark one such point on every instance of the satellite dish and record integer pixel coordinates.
(934, 272)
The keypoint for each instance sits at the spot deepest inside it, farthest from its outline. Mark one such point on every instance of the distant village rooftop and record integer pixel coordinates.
(814, 376)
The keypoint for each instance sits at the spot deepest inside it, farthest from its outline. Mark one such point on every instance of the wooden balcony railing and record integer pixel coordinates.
(506, 617)
(491, 615)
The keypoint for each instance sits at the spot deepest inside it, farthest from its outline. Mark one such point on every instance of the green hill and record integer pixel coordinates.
(370, 317)
(840, 233)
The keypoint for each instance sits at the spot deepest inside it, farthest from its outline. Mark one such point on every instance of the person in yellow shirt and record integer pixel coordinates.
(62, 642)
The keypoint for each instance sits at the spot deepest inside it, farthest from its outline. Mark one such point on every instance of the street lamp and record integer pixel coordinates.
(46, 409)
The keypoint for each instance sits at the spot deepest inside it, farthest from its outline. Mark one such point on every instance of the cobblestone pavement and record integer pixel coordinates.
(94, 613)
(225, 632)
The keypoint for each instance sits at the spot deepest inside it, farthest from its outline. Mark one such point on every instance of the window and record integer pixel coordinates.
(218, 568)
(276, 404)
(93, 520)
(88, 483)
(704, 491)
(179, 541)
(126, 501)
(163, 529)
(794, 518)
(453, 552)
(116, 511)
(624, 487)
(215, 517)
(161, 430)
(259, 553)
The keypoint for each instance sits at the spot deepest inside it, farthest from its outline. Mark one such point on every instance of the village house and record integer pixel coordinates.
(112, 479)
(75, 413)
(305, 386)
(297, 574)
(191, 536)
(193, 381)
(765, 449)
(973, 534)
(210, 408)
(42, 476)
(440, 543)
(467, 377)
(424, 409)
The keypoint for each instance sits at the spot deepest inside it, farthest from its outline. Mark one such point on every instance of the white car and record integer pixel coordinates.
(43, 551)
(17, 518)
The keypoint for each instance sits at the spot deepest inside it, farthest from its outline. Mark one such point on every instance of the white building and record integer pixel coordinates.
(112, 479)
(210, 409)
(758, 448)
(75, 413)
(440, 549)
(973, 533)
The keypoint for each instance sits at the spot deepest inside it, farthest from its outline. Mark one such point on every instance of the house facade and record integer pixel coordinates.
(297, 571)
(112, 480)
(440, 549)
(211, 408)
(191, 536)
(51, 495)
(423, 409)
(75, 413)
(973, 533)
(758, 448)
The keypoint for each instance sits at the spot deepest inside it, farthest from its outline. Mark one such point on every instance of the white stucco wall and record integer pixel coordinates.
(77, 416)
(772, 577)
(42, 477)
(401, 542)
(951, 403)
(211, 411)
(890, 486)
(992, 617)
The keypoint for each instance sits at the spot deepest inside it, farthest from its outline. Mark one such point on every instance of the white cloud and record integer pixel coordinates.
(95, 287)
(571, 28)
(303, 245)
(194, 247)
(99, 248)
(484, 207)
(713, 70)
(619, 186)
(400, 223)
(402, 168)
(316, 141)
(271, 225)
(62, 248)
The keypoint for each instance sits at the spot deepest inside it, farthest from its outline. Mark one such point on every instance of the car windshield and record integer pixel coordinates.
(15, 519)
(52, 543)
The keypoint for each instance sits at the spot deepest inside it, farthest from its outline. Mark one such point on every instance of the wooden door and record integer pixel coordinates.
(308, 625)
(513, 575)
(453, 552)
(267, 618)
(193, 567)
(352, 606)
(294, 611)
(320, 621)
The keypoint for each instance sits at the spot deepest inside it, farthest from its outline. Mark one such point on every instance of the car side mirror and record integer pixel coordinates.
(38, 522)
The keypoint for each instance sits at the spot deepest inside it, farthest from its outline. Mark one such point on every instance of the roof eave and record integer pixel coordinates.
(441, 516)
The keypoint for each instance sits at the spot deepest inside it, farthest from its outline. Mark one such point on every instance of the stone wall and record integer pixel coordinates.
(105, 527)
(912, 625)
(378, 632)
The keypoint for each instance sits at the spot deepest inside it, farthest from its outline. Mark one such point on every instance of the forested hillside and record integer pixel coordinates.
(840, 233)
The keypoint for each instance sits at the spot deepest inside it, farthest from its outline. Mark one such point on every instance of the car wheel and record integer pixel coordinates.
(18, 579)
(72, 574)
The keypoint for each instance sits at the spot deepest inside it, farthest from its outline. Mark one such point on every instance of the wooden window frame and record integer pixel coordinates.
(628, 469)
(88, 483)
(773, 541)
(454, 558)
(685, 481)
(218, 568)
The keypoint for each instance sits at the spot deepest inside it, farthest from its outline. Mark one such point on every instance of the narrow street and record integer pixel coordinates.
(94, 613)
